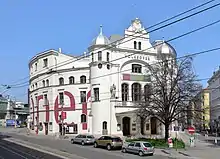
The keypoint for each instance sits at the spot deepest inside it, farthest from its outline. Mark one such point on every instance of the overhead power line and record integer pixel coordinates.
(172, 39)
(83, 56)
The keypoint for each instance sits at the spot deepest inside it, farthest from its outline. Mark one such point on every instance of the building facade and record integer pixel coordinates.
(97, 93)
(199, 111)
(213, 86)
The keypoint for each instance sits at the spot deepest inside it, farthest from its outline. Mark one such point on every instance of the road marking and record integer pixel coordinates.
(25, 153)
(13, 152)
(50, 152)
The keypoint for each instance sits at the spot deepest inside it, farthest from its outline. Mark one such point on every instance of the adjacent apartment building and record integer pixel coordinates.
(199, 114)
(214, 88)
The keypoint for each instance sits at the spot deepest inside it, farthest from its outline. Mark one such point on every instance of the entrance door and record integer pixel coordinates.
(126, 126)
(153, 125)
(46, 128)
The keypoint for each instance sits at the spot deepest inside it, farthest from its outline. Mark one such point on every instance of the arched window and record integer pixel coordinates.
(108, 57)
(71, 80)
(135, 45)
(43, 82)
(99, 56)
(83, 79)
(139, 45)
(47, 82)
(83, 118)
(36, 85)
(136, 92)
(124, 90)
(61, 81)
(104, 125)
(147, 92)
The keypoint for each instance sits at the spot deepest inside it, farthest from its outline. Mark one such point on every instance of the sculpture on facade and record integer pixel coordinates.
(113, 91)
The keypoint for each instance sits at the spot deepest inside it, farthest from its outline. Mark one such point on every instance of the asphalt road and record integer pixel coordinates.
(86, 152)
(10, 150)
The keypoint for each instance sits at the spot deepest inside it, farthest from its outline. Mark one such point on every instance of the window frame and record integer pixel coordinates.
(61, 81)
(96, 94)
(136, 92)
(82, 96)
(136, 68)
(71, 80)
(83, 118)
(99, 55)
(125, 92)
(83, 79)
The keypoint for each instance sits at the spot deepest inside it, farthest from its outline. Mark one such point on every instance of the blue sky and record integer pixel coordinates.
(29, 27)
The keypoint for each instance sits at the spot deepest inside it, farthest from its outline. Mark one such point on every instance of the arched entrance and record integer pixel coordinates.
(126, 126)
(153, 122)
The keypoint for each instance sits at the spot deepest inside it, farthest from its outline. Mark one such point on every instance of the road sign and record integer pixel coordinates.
(191, 130)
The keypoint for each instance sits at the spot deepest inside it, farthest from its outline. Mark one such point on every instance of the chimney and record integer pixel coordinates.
(60, 50)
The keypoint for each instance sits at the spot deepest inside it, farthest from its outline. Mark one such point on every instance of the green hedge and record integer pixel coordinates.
(161, 143)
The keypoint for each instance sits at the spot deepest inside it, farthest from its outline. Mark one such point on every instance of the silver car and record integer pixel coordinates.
(83, 139)
(139, 147)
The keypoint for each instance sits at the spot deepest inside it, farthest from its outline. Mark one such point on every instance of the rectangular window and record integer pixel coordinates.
(61, 98)
(99, 56)
(82, 96)
(96, 94)
(136, 68)
(92, 57)
(45, 62)
(107, 58)
(35, 66)
(36, 101)
(45, 99)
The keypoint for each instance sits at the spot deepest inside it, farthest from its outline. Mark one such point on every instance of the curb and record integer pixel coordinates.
(44, 149)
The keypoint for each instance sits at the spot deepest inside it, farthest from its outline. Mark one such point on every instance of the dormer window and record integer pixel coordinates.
(136, 68)
(139, 45)
(99, 56)
(135, 45)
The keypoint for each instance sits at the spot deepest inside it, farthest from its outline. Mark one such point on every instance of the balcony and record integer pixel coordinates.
(126, 104)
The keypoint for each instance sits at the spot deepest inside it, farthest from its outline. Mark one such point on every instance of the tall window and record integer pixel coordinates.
(135, 45)
(136, 68)
(124, 90)
(104, 125)
(36, 85)
(83, 79)
(147, 92)
(136, 92)
(71, 80)
(96, 94)
(92, 57)
(43, 82)
(82, 96)
(107, 56)
(99, 56)
(139, 45)
(35, 66)
(61, 98)
(47, 82)
(45, 62)
(45, 99)
(61, 81)
(83, 118)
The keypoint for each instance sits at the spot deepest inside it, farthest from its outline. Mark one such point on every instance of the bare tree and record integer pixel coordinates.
(173, 85)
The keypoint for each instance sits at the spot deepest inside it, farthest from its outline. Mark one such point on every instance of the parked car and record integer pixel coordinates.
(110, 142)
(83, 139)
(139, 147)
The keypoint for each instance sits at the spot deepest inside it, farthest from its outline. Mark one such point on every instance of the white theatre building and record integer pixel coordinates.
(97, 93)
